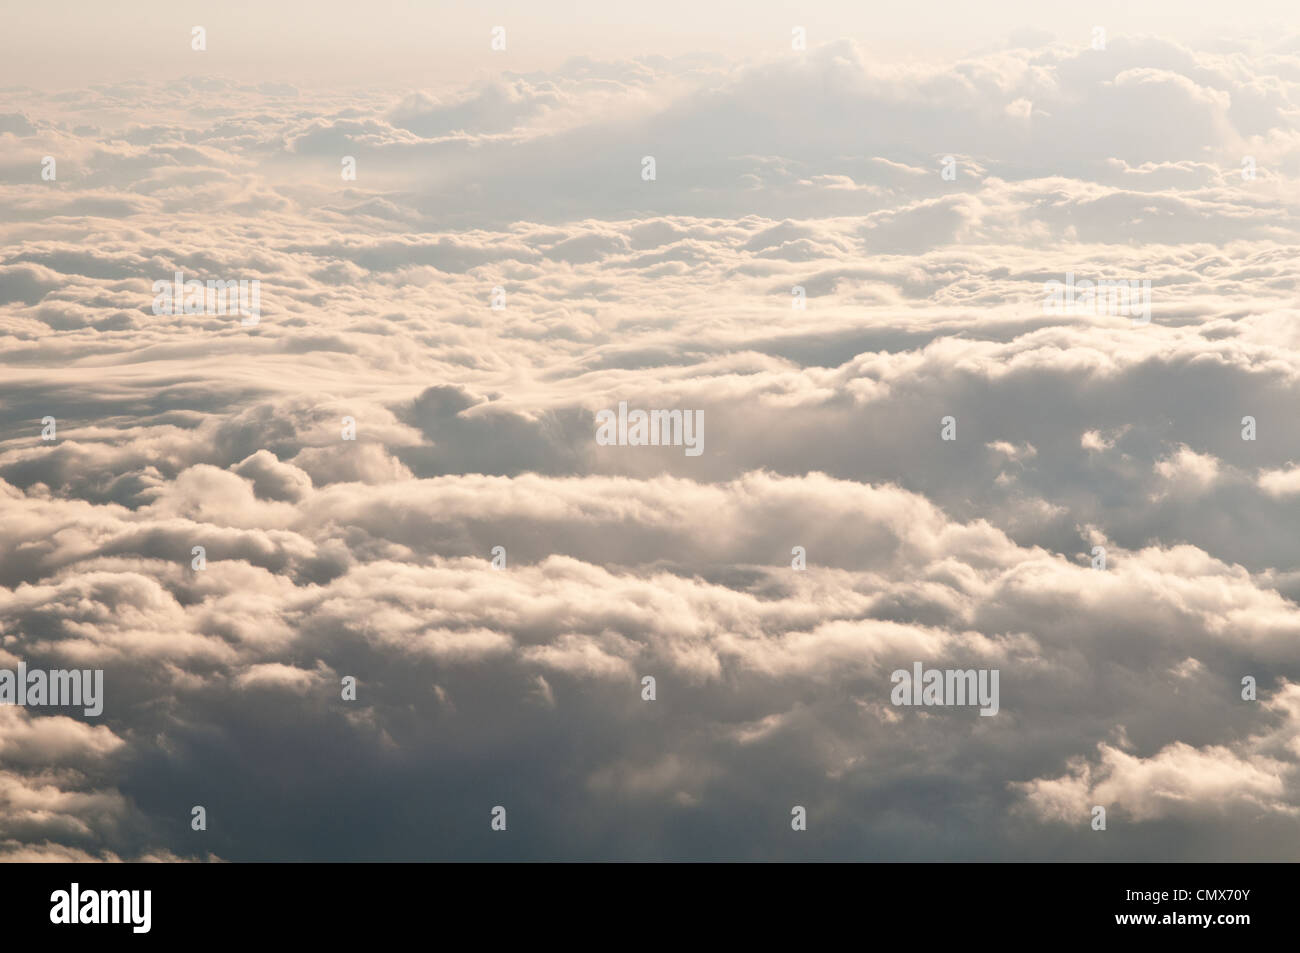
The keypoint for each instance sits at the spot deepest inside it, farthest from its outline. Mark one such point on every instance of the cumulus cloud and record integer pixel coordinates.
(436, 339)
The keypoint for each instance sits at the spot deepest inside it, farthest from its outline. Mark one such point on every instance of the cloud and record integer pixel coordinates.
(802, 273)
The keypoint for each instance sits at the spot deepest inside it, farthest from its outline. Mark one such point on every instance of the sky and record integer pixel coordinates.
(63, 43)
(840, 258)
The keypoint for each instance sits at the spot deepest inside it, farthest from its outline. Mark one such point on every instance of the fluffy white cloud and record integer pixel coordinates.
(811, 180)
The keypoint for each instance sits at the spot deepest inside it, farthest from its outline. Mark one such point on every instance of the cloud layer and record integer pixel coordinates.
(497, 273)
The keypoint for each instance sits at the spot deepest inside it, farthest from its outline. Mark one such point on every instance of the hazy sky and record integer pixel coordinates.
(57, 44)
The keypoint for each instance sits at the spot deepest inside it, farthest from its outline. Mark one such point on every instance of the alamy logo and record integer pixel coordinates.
(655, 428)
(59, 688)
(242, 297)
(103, 906)
(1106, 296)
(946, 687)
